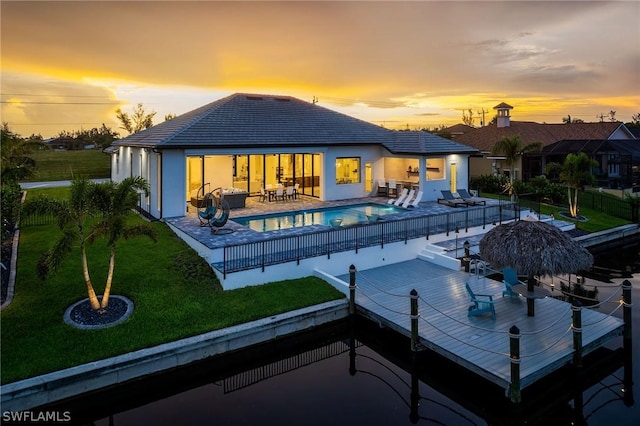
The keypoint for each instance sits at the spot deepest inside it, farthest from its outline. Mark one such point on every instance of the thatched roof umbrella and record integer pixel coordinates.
(533, 248)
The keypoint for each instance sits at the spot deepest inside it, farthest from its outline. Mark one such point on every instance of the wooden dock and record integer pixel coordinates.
(478, 343)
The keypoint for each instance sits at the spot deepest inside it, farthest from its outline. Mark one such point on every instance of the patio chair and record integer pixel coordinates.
(289, 193)
(279, 193)
(470, 199)
(383, 189)
(481, 306)
(263, 195)
(400, 199)
(408, 199)
(510, 279)
(296, 189)
(449, 200)
(393, 188)
(416, 200)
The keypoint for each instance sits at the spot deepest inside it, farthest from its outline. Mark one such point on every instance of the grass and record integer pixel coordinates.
(63, 165)
(175, 295)
(597, 221)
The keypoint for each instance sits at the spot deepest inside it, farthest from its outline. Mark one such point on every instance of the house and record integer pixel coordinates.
(249, 141)
(533, 164)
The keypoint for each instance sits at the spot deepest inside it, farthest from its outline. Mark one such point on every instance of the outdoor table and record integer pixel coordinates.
(531, 294)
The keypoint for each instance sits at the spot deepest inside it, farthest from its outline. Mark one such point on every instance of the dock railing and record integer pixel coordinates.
(293, 248)
(572, 324)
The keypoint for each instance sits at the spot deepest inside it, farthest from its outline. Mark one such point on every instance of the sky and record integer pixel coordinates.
(68, 66)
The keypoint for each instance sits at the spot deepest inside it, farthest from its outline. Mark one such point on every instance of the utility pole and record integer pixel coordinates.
(483, 112)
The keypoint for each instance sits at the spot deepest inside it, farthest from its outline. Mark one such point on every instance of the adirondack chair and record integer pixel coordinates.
(510, 279)
(481, 306)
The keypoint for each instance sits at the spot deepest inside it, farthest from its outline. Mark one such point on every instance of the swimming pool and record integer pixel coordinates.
(346, 215)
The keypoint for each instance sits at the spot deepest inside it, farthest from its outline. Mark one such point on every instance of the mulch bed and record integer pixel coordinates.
(83, 314)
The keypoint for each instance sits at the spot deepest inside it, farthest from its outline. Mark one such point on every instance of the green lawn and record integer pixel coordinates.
(596, 220)
(174, 292)
(63, 165)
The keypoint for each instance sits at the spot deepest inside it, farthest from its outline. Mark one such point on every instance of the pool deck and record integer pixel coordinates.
(190, 224)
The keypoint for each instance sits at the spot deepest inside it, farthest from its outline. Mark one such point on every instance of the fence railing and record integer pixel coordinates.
(606, 204)
(260, 254)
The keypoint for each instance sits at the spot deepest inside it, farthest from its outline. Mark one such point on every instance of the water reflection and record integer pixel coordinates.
(345, 373)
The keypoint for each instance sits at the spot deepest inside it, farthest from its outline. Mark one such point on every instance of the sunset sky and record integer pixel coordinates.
(69, 65)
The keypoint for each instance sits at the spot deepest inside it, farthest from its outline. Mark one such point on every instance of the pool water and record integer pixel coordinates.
(341, 216)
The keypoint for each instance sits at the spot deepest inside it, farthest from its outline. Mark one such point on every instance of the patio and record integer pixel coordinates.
(190, 223)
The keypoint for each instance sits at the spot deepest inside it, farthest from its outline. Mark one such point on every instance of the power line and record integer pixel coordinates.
(58, 103)
(51, 95)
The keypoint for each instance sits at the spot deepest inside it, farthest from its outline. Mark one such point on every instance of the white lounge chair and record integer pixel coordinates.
(416, 200)
(402, 197)
(408, 199)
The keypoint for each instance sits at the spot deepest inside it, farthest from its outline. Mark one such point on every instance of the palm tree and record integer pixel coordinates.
(109, 204)
(512, 150)
(574, 172)
(116, 201)
(71, 217)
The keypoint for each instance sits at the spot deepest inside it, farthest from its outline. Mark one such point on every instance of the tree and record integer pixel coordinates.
(109, 204)
(468, 119)
(612, 115)
(16, 162)
(137, 121)
(170, 116)
(116, 202)
(512, 150)
(71, 217)
(574, 172)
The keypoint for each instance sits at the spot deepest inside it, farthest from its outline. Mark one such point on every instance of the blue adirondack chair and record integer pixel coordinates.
(510, 279)
(481, 306)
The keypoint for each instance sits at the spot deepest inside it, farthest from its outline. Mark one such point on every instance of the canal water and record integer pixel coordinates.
(359, 374)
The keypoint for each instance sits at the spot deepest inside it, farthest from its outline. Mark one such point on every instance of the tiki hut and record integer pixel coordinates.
(533, 248)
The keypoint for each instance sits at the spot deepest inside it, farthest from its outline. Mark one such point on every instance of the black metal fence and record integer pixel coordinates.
(609, 205)
(260, 254)
(37, 220)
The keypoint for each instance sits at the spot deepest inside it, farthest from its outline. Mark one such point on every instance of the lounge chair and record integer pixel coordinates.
(470, 199)
(408, 199)
(416, 200)
(400, 198)
(510, 279)
(451, 201)
(481, 306)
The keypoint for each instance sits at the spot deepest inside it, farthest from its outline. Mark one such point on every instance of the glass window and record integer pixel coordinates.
(435, 169)
(347, 170)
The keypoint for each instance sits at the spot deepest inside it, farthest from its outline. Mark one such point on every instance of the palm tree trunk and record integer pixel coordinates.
(93, 299)
(575, 203)
(107, 288)
(570, 198)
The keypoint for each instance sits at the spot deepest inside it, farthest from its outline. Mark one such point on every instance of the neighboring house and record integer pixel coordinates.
(533, 164)
(248, 141)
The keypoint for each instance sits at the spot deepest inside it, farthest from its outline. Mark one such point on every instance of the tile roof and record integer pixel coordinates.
(484, 138)
(593, 146)
(251, 120)
(425, 142)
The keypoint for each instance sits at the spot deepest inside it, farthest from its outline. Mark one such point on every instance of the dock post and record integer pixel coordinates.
(514, 358)
(576, 307)
(352, 290)
(467, 257)
(414, 320)
(626, 344)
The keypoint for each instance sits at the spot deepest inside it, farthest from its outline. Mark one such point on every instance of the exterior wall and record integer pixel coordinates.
(174, 182)
(620, 134)
(143, 162)
(330, 190)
